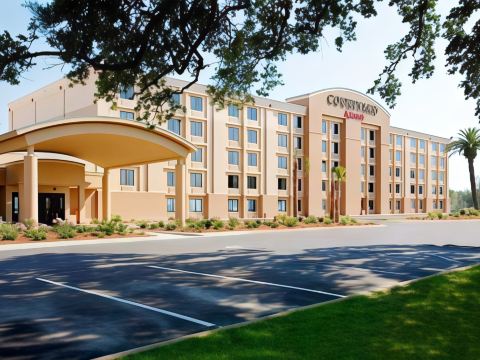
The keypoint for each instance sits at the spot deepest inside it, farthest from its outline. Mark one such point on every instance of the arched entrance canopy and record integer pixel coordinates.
(104, 141)
(107, 142)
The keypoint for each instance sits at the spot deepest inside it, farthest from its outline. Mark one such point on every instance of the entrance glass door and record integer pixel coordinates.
(15, 207)
(50, 207)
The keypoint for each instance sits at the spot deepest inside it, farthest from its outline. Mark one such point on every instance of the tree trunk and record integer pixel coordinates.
(295, 188)
(338, 200)
(332, 200)
(473, 186)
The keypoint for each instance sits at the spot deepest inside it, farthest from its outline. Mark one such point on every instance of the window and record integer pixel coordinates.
(399, 140)
(434, 204)
(251, 182)
(299, 205)
(413, 143)
(298, 122)
(252, 113)
(174, 125)
(175, 98)
(440, 190)
(362, 133)
(282, 119)
(282, 205)
(434, 146)
(421, 174)
(372, 170)
(421, 159)
(299, 184)
(127, 92)
(412, 189)
(196, 128)
(282, 162)
(196, 205)
(252, 136)
(433, 160)
(298, 142)
(420, 205)
(434, 190)
(233, 157)
(412, 174)
(170, 204)
(362, 186)
(441, 176)
(324, 146)
(420, 190)
(398, 205)
(127, 115)
(422, 144)
(398, 155)
(324, 126)
(299, 164)
(282, 183)
(390, 155)
(335, 147)
(362, 152)
(434, 175)
(370, 204)
(371, 153)
(335, 164)
(442, 163)
(170, 178)
(371, 187)
(233, 181)
(196, 103)
(362, 169)
(372, 135)
(413, 158)
(196, 180)
(440, 206)
(197, 156)
(232, 205)
(397, 188)
(324, 166)
(324, 204)
(233, 134)
(251, 205)
(127, 177)
(324, 185)
(412, 204)
(397, 172)
(282, 140)
(336, 128)
(442, 148)
(390, 188)
(390, 139)
(390, 172)
(233, 110)
(252, 159)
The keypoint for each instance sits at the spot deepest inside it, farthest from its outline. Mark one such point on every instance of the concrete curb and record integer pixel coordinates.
(279, 314)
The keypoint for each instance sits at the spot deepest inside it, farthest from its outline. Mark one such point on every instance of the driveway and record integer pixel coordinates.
(89, 300)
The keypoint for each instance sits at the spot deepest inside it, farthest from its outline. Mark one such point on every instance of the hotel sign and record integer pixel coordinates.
(352, 107)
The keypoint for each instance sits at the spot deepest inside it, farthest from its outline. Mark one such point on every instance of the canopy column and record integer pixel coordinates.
(30, 184)
(106, 195)
(180, 191)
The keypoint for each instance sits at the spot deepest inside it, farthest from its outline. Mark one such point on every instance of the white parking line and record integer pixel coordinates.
(246, 280)
(444, 258)
(151, 308)
(366, 269)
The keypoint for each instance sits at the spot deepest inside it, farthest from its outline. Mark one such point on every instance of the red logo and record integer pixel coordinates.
(352, 115)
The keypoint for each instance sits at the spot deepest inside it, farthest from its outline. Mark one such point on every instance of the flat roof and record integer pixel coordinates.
(419, 134)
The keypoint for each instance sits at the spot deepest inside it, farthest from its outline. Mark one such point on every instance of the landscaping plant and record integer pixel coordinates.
(8, 232)
(36, 234)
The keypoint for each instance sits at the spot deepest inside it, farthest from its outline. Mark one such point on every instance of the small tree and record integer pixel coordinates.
(339, 176)
(468, 145)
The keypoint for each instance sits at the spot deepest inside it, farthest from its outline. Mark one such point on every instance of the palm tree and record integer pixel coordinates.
(340, 175)
(468, 144)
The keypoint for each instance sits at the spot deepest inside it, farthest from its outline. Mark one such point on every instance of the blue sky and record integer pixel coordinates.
(435, 106)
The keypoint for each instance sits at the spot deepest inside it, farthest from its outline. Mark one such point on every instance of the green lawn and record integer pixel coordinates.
(436, 318)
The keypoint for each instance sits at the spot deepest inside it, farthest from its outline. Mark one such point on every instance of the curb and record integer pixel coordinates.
(140, 349)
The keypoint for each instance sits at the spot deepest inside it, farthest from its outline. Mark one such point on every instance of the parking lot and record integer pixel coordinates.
(87, 301)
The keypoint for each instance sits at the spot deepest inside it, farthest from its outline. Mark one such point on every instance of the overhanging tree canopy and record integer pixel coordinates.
(141, 41)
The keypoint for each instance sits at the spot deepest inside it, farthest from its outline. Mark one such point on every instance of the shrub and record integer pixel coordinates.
(161, 224)
(462, 212)
(36, 234)
(301, 218)
(107, 227)
(310, 220)
(274, 225)
(474, 212)
(281, 218)
(8, 232)
(327, 220)
(29, 223)
(432, 215)
(101, 235)
(207, 223)
(65, 231)
(259, 222)
(233, 223)
(121, 228)
(456, 214)
(250, 224)
(344, 220)
(153, 226)
(194, 225)
(84, 228)
(170, 226)
(116, 218)
(290, 221)
(142, 224)
(95, 221)
(439, 215)
(218, 224)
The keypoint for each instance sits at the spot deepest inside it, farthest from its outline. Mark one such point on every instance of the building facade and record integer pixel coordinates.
(254, 161)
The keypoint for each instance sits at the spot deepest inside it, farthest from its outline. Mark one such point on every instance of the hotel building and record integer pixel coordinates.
(67, 156)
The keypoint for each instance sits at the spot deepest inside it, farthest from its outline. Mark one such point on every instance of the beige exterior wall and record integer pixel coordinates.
(320, 115)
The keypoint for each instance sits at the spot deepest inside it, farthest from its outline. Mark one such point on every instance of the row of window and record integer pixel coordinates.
(435, 175)
(413, 204)
(234, 158)
(196, 205)
(436, 190)
(334, 126)
(413, 143)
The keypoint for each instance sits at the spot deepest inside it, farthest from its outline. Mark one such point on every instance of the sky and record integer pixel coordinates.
(435, 106)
